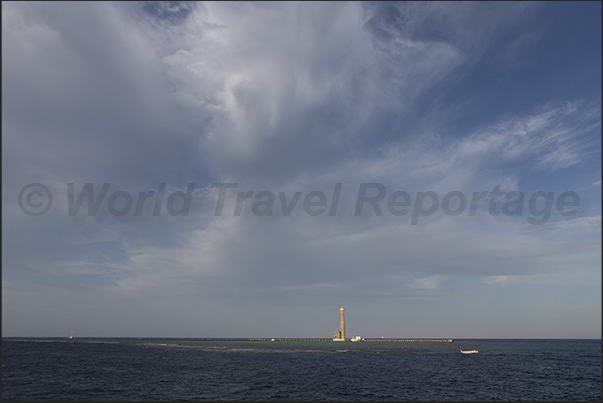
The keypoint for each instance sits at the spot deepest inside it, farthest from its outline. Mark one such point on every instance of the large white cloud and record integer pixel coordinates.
(282, 97)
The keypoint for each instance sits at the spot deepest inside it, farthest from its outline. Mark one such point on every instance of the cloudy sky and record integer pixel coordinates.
(353, 101)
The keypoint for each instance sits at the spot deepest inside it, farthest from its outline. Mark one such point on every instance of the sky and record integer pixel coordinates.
(200, 169)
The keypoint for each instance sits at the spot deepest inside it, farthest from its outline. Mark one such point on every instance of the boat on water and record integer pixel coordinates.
(468, 351)
(357, 338)
(71, 337)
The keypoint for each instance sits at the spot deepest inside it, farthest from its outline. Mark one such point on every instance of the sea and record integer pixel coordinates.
(240, 369)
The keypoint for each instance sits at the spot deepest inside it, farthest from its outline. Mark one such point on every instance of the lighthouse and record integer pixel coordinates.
(340, 335)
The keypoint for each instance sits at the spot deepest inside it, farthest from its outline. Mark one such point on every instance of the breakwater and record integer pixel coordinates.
(363, 340)
(414, 340)
(280, 339)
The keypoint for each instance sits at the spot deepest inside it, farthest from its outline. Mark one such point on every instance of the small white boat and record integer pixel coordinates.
(468, 351)
(357, 338)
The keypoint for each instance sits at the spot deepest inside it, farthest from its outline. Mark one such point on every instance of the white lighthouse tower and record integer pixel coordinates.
(340, 335)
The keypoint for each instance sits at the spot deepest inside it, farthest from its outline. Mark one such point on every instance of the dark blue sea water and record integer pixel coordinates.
(221, 369)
